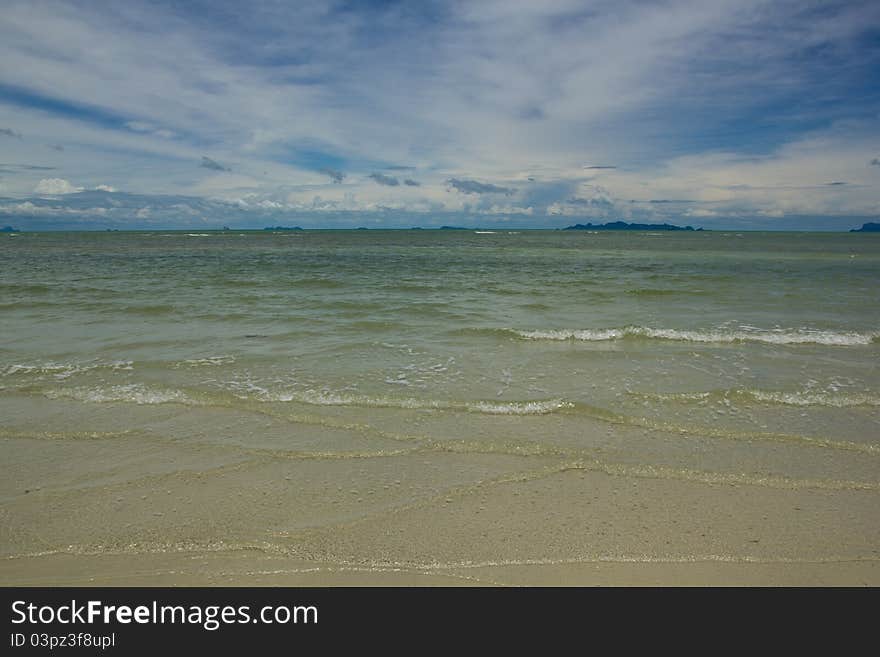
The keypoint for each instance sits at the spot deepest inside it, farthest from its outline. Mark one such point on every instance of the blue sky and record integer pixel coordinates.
(715, 113)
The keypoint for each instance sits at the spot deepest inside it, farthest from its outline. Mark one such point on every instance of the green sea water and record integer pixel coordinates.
(707, 356)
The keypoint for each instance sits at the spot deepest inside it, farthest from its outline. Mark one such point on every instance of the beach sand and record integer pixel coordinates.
(105, 508)
(446, 408)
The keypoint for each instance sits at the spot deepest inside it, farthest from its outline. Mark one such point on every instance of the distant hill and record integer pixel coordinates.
(453, 228)
(8, 229)
(869, 227)
(282, 228)
(622, 225)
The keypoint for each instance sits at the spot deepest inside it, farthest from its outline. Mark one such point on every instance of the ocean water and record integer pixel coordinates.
(393, 367)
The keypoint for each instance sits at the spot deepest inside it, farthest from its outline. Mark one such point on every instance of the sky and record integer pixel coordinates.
(741, 114)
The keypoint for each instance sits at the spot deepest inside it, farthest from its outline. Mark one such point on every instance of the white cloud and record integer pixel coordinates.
(503, 93)
(55, 186)
(149, 128)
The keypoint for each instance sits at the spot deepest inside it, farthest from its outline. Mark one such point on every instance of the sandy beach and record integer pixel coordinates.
(130, 510)
(458, 409)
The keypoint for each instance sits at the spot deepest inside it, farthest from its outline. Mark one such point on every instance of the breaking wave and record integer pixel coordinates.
(62, 370)
(802, 398)
(720, 335)
(131, 393)
(329, 398)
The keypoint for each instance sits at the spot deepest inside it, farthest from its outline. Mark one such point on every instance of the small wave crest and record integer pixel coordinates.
(62, 370)
(330, 398)
(201, 362)
(721, 335)
(135, 393)
(834, 399)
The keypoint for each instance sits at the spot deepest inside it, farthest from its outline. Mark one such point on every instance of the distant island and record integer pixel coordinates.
(9, 229)
(869, 227)
(453, 228)
(622, 225)
(282, 228)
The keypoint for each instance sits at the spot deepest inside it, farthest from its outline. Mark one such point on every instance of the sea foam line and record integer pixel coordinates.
(132, 393)
(775, 336)
(327, 398)
(63, 370)
(797, 398)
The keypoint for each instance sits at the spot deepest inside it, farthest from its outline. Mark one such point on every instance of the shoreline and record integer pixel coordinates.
(233, 568)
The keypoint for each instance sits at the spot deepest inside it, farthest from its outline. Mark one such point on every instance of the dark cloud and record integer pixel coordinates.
(599, 166)
(590, 202)
(669, 200)
(835, 183)
(412, 183)
(9, 168)
(9, 133)
(382, 179)
(474, 187)
(56, 147)
(398, 167)
(336, 176)
(531, 113)
(876, 162)
(208, 163)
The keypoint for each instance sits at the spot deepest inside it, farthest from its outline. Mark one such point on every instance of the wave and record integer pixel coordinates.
(251, 398)
(720, 335)
(200, 362)
(131, 393)
(28, 288)
(316, 283)
(27, 304)
(63, 370)
(656, 292)
(139, 393)
(839, 400)
(799, 398)
(329, 398)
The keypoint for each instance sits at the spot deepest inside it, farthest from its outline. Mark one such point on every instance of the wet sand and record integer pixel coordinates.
(142, 509)
(253, 569)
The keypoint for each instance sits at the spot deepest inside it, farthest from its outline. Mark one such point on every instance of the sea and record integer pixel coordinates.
(321, 380)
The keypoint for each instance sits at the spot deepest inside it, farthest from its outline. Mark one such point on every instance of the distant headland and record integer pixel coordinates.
(622, 225)
(869, 227)
(9, 229)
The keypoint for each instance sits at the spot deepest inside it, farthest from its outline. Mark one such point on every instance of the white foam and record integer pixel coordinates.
(520, 408)
(743, 334)
(331, 398)
(209, 360)
(63, 370)
(587, 335)
(838, 400)
(132, 393)
(798, 398)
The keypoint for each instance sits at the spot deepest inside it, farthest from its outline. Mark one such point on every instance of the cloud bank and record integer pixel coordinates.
(474, 187)
(743, 110)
